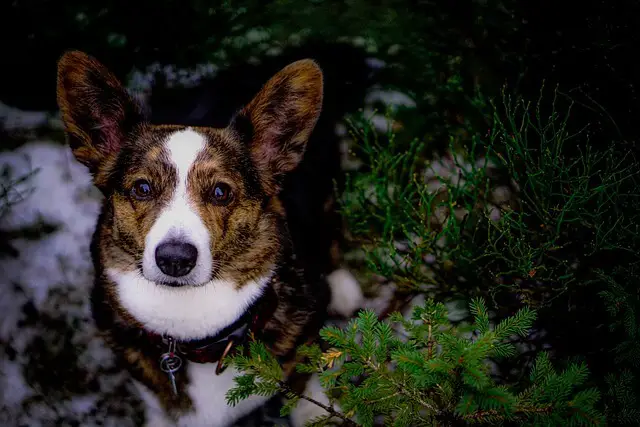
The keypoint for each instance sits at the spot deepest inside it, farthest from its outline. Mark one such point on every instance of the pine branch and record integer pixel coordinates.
(402, 388)
(438, 373)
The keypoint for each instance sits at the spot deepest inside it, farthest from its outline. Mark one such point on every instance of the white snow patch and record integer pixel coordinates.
(83, 404)
(380, 122)
(348, 161)
(61, 194)
(14, 388)
(382, 300)
(143, 80)
(346, 293)
(96, 354)
(394, 49)
(15, 119)
(375, 63)
(391, 98)
(257, 35)
(306, 411)
(501, 195)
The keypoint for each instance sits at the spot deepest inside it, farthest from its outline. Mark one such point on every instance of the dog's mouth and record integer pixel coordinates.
(172, 284)
(181, 282)
(184, 283)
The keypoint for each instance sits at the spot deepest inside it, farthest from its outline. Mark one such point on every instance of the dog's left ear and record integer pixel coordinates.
(279, 120)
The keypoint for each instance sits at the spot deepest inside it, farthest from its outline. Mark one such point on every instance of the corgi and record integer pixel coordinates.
(193, 250)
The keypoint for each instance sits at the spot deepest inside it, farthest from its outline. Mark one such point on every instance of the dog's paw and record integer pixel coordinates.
(346, 293)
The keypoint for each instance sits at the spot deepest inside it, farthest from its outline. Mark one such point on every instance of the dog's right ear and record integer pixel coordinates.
(97, 111)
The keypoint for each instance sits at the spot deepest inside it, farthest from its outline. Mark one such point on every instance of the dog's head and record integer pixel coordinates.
(189, 205)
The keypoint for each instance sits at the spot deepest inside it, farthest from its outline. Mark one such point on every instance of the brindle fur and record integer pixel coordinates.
(267, 139)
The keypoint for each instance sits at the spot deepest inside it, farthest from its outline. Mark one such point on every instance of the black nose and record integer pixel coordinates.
(176, 259)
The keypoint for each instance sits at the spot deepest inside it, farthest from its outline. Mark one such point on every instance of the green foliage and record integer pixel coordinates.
(565, 240)
(435, 375)
(623, 410)
(559, 199)
(262, 374)
(572, 207)
(399, 219)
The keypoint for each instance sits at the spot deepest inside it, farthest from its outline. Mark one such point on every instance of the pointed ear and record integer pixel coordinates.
(97, 111)
(279, 120)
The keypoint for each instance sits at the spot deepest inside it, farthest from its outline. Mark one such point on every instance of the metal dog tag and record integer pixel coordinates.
(170, 363)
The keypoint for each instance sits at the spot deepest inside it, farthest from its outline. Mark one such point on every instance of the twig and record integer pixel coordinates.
(390, 396)
(285, 387)
(519, 412)
(430, 342)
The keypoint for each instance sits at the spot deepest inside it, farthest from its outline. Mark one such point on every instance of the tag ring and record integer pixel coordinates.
(219, 368)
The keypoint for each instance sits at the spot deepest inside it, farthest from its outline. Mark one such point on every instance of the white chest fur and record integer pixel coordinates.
(208, 395)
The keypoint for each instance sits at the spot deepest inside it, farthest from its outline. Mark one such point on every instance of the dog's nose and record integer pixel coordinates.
(176, 259)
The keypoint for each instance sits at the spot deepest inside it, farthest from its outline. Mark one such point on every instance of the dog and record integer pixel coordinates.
(193, 250)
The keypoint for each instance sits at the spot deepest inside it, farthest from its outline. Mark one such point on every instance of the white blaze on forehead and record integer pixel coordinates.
(183, 148)
(179, 219)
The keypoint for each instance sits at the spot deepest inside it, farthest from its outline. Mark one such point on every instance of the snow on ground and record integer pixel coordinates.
(13, 118)
(54, 370)
(58, 194)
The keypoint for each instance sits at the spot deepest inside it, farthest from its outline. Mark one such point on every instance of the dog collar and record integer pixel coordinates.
(214, 348)
(210, 349)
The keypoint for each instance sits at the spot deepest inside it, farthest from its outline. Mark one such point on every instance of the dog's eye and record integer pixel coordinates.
(221, 194)
(141, 190)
